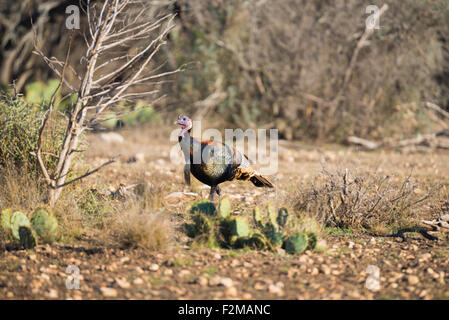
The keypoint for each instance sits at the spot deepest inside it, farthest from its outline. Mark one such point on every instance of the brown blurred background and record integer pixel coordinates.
(272, 64)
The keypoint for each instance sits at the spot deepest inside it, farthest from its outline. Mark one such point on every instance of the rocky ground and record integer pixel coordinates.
(351, 266)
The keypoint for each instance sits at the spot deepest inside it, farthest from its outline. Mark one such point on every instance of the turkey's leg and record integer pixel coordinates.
(187, 174)
(213, 189)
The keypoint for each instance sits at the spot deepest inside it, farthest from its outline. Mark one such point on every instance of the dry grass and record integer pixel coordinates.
(19, 189)
(140, 221)
(133, 228)
(363, 201)
(83, 211)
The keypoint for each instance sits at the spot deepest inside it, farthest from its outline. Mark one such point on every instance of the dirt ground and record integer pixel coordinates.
(410, 267)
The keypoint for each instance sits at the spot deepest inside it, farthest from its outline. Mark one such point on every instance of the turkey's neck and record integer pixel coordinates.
(186, 142)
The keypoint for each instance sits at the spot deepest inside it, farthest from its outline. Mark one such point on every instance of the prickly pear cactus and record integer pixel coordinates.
(18, 220)
(275, 237)
(312, 241)
(296, 243)
(233, 228)
(45, 225)
(271, 215)
(202, 224)
(5, 221)
(204, 206)
(257, 216)
(282, 217)
(240, 227)
(28, 238)
(257, 242)
(218, 228)
(225, 208)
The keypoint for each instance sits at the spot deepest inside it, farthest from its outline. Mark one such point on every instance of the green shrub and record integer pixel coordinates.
(19, 132)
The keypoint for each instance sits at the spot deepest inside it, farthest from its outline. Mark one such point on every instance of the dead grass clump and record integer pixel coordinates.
(138, 221)
(19, 189)
(137, 229)
(363, 201)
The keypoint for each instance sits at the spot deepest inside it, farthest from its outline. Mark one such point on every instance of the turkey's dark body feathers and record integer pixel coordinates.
(213, 162)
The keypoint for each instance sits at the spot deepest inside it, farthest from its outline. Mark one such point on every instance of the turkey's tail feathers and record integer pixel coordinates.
(256, 179)
(260, 181)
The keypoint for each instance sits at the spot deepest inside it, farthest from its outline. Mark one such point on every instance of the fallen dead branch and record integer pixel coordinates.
(440, 224)
(421, 142)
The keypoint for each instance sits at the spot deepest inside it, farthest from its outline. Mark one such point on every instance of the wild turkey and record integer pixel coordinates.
(213, 162)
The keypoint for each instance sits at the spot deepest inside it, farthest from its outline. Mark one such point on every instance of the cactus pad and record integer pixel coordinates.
(203, 225)
(5, 220)
(204, 206)
(282, 217)
(258, 217)
(312, 240)
(257, 242)
(45, 225)
(240, 227)
(28, 238)
(271, 215)
(18, 219)
(297, 243)
(275, 237)
(225, 208)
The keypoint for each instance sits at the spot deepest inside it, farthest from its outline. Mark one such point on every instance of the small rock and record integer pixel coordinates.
(140, 157)
(280, 251)
(314, 271)
(168, 272)
(217, 256)
(139, 270)
(372, 240)
(52, 294)
(122, 283)
(138, 281)
(231, 291)
(32, 257)
(247, 296)
(259, 286)
(275, 289)
(124, 259)
(325, 269)
(202, 281)
(227, 282)
(215, 281)
(184, 272)
(412, 280)
(154, 267)
(425, 257)
(108, 292)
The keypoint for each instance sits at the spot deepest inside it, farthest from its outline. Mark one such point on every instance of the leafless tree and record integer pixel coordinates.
(120, 34)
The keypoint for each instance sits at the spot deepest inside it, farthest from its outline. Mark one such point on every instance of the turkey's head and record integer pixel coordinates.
(185, 123)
